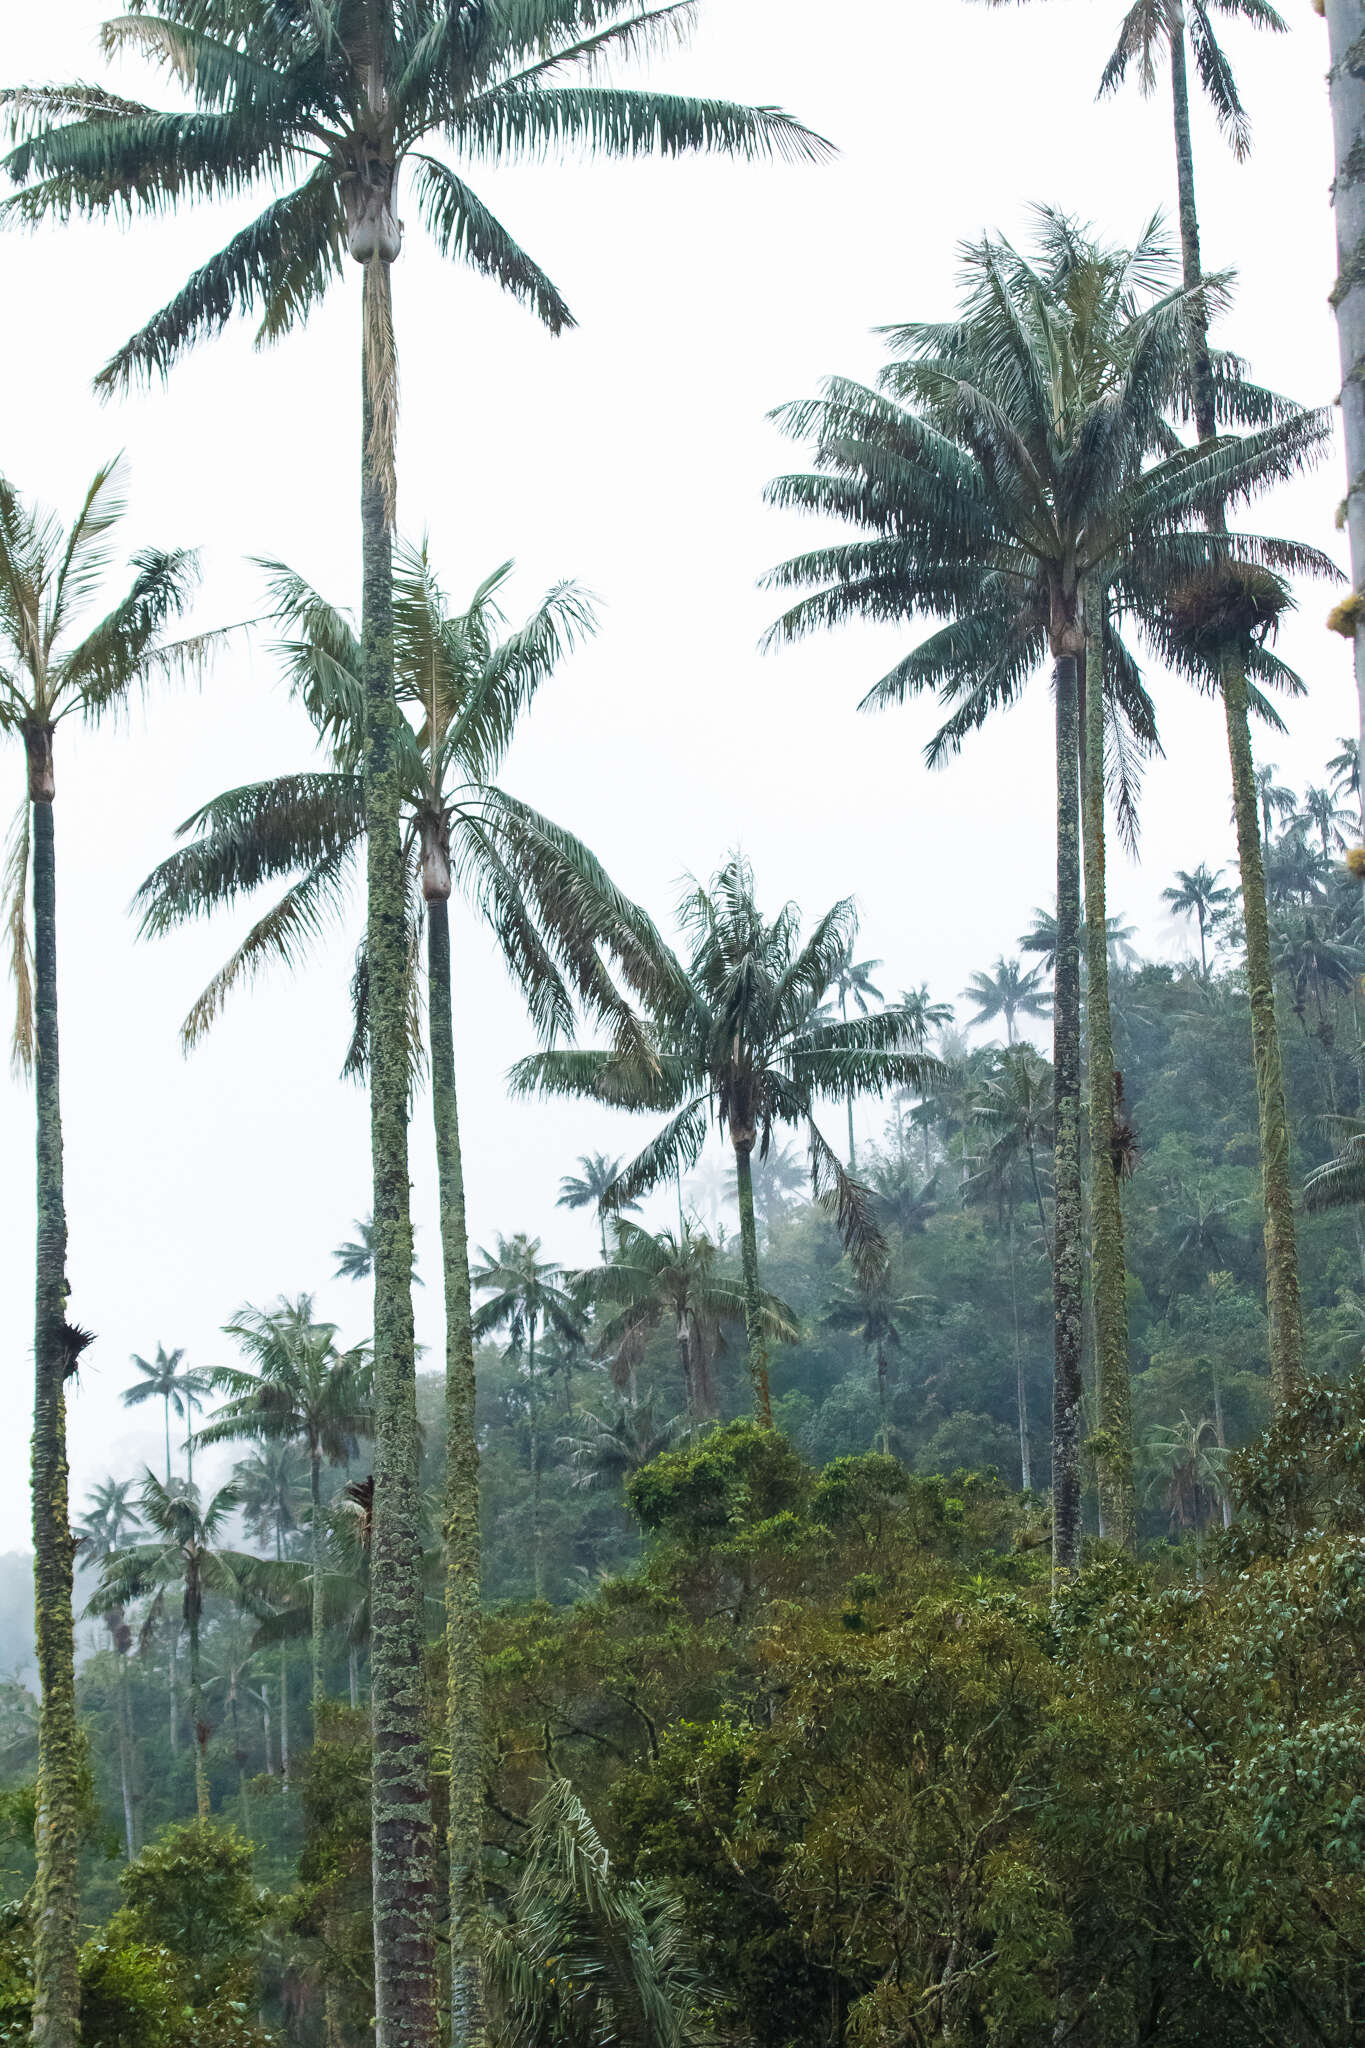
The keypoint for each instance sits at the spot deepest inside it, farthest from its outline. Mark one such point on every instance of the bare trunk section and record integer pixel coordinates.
(1114, 1448)
(315, 1557)
(401, 1827)
(1283, 1307)
(753, 1299)
(461, 1518)
(56, 1985)
(1191, 257)
(1067, 1292)
(1346, 36)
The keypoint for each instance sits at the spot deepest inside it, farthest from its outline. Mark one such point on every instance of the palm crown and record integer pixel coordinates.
(1147, 30)
(303, 1389)
(549, 902)
(180, 1388)
(1010, 991)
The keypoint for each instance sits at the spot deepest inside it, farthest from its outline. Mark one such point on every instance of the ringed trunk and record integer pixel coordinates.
(315, 1549)
(404, 1945)
(56, 1987)
(1345, 29)
(1283, 1308)
(461, 1520)
(199, 1726)
(1192, 266)
(753, 1299)
(1114, 1452)
(1067, 1296)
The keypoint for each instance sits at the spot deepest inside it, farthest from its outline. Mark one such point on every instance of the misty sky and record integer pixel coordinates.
(631, 455)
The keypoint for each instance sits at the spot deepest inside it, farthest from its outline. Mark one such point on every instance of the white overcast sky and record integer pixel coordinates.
(631, 455)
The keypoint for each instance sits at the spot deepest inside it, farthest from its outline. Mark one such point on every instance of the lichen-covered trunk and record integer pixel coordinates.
(1283, 1309)
(198, 1725)
(1190, 253)
(1020, 1391)
(125, 1755)
(315, 1560)
(1108, 1274)
(56, 1987)
(1346, 41)
(754, 1335)
(1067, 1300)
(401, 1830)
(461, 1514)
(533, 1409)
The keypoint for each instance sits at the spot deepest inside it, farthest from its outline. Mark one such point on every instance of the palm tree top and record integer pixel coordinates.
(525, 1292)
(300, 1387)
(1147, 29)
(333, 110)
(592, 1185)
(1009, 990)
(167, 1378)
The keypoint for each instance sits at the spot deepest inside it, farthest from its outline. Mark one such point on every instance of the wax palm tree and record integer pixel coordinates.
(355, 1256)
(854, 980)
(332, 110)
(1339, 1183)
(904, 1197)
(1041, 938)
(57, 663)
(1325, 816)
(653, 1277)
(180, 1388)
(735, 1039)
(1186, 1472)
(273, 1489)
(1345, 26)
(585, 1954)
(1012, 991)
(881, 1318)
(1013, 469)
(1015, 1112)
(300, 1389)
(527, 1298)
(1344, 769)
(1199, 893)
(590, 1187)
(1275, 800)
(601, 1453)
(182, 1550)
(110, 1519)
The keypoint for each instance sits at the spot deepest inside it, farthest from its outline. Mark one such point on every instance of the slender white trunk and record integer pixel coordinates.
(1346, 29)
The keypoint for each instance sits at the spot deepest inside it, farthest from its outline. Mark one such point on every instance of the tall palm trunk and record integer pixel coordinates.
(199, 1726)
(533, 1405)
(1114, 1452)
(56, 1988)
(1067, 1299)
(1283, 1307)
(753, 1300)
(118, 1639)
(1020, 1393)
(315, 1556)
(1346, 36)
(461, 1518)
(405, 2006)
(1201, 367)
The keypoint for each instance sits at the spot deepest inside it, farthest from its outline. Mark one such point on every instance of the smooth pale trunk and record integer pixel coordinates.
(1190, 253)
(56, 1986)
(533, 1404)
(1346, 28)
(1067, 1293)
(464, 1703)
(125, 1756)
(1114, 1453)
(198, 1726)
(401, 1824)
(753, 1300)
(1284, 1311)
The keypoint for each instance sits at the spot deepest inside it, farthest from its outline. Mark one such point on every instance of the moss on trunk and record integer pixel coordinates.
(315, 1561)
(56, 1987)
(1283, 1307)
(405, 2001)
(1113, 1449)
(461, 1512)
(753, 1300)
(1067, 1299)
(1191, 258)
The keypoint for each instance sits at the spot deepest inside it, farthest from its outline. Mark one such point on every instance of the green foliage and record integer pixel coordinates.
(704, 1494)
(191, 1892)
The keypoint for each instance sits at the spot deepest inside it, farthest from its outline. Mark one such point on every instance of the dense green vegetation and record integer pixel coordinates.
(915, 1596)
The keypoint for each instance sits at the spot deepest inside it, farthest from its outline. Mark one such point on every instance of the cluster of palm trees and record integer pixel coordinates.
(1019, 475)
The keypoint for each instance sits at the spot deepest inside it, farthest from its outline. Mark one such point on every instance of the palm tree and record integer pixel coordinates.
(1011, 991)
(301, 1390)
(1345, 27)
(352, 110)
(590, 1187)
(1344, 769)
(735, 1038)
(1187, 1472)
(1323, 814)
(355, 1256)
(527, 1296)
(181, 1390)
(606, 1453)
(1339, 1182)
(586, 1954)
(56, 664)
(880, 1318)
(1003, 478)
(854, 978)
(1210, 630)
(109, 1520)
(1199, 893)
(273, 1488)
(183, 1551)
(1274, 800)
(666, 1275)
